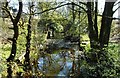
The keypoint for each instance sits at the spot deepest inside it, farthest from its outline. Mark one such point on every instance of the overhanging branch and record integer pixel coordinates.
(114, 18)
(59, 7)
(5, 8)
(11, 17)
(116, 9)
(52, 8)
(117, 3)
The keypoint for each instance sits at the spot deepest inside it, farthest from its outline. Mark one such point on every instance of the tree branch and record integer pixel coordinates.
(109, 17)
(61, 6)
(53, 8)
(80, 7)
(117, 3)
(116, 9)
(11, 17)
(19, 12)
(5, 8)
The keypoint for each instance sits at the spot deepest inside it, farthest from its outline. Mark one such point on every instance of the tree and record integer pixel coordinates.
(28, 38)
(106, 24)
(15, 34)
(15, 29)
(92, 26)
(103, 39)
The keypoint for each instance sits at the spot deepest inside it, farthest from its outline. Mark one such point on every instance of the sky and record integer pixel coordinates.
(100, 5)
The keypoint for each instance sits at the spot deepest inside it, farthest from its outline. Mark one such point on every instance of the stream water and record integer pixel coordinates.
(62, 63)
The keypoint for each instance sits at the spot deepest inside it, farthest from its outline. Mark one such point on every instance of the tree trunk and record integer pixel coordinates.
(15, 37)
(106, 24)
(103, 38)
(93, 35)
(14, 44)
(95, 21)
(15, 29)
(28, 38)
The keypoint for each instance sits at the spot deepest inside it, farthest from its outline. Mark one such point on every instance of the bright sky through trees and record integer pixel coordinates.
(101, 3)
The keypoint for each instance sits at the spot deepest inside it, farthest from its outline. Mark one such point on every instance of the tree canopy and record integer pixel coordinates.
(59, 38)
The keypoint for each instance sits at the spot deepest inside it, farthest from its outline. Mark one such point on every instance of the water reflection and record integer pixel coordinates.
(66, 69)
(59, 64)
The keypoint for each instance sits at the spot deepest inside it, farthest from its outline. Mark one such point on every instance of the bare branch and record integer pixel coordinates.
(5, 8)
(117, 3)
(59, 7)
(80, 7)
(11, 17)
(53, 8)
(116, 9)
(19, 12)
(114, 18)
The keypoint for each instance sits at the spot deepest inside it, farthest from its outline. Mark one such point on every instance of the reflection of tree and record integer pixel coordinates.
(53, 64)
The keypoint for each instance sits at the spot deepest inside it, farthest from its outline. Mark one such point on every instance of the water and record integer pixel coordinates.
(66, 69)
(59, 64)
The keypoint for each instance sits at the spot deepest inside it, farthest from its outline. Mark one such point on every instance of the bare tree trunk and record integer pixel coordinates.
(93, 35)
(106, 24)
(103, 38)
(9, 71)
(95, 21)
(15, 29)
(15, 36)
(28, 38)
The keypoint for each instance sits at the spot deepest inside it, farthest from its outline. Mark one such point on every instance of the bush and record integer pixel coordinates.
(101, 63)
